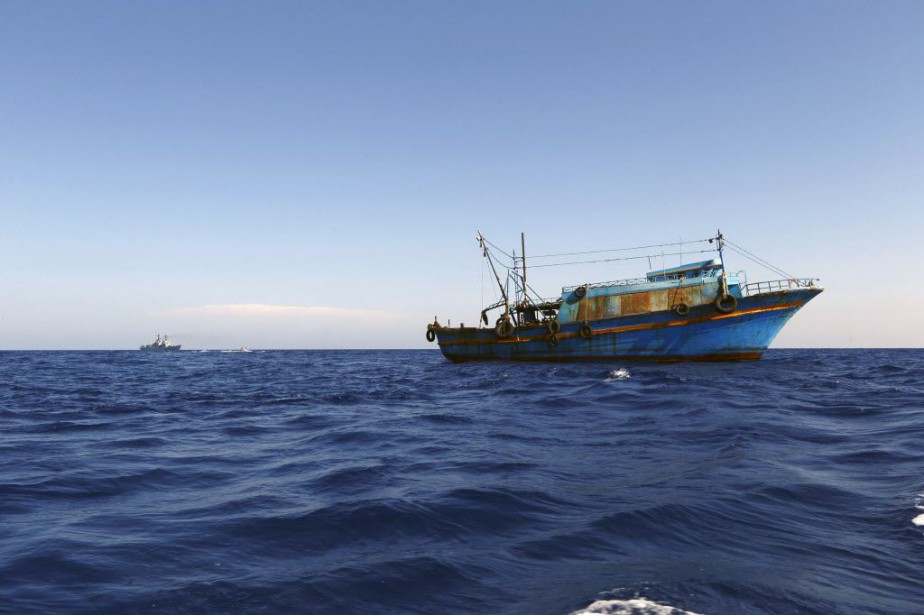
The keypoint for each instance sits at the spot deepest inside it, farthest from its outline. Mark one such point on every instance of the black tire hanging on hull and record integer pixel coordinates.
(726, 303)
(586, 331)
(504, 329)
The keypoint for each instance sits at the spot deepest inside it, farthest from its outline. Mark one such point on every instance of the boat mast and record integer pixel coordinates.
(487, 255)
(721, 243)
(523, 249)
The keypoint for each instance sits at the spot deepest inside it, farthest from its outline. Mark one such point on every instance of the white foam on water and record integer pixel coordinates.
(919, 504)
(618, 374)
(633, 606)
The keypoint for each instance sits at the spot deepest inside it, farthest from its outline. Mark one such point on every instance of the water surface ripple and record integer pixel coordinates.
(397, 482)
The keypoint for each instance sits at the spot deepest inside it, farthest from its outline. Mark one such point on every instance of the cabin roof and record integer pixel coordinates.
(684, 268)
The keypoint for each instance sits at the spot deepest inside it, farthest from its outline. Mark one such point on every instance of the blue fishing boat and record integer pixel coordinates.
(695, 311)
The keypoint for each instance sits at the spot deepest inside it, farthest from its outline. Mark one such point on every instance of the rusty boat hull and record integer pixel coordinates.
(704, 333)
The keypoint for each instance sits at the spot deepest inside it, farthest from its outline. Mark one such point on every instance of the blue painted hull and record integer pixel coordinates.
(703, 334)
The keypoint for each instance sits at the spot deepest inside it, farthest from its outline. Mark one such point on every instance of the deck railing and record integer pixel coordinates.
(746, 289)
(775, 285)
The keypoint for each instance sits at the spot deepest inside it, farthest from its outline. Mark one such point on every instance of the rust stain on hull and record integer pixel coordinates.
(628, 328)
(611, 306)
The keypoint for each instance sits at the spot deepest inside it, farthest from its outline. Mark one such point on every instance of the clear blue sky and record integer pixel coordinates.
(298, 174)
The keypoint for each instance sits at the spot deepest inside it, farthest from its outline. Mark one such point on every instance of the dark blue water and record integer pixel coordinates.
(397, 482)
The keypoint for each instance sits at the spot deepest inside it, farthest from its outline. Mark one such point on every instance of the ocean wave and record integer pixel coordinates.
(368, 482)
(632, 606)
(69, 486)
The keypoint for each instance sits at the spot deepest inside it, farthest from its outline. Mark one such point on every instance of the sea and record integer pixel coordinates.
(353, 481)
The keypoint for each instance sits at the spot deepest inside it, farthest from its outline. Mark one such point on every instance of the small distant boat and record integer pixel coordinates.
(161, 343)
(695, 311)
(241, 349)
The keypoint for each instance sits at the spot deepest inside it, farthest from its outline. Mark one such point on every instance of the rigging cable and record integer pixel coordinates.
(758, 260)
(482, 290)
(626, 258)
(657, 245)
(498, 249)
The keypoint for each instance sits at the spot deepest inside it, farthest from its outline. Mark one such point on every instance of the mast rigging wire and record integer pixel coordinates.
(625, 258)
(657, 245)
(526, 290)
(485, 239)
(758, 260)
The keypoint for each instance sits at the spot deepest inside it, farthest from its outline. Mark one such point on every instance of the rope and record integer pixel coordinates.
(657, 245)
(758, 260)
(625, 258)
(498, 249)
(482, 289)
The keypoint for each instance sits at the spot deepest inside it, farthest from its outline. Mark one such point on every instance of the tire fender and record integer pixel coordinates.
(726, 303)
(586, 331)
(504, 329)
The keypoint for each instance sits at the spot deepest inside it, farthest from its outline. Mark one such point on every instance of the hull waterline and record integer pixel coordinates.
(704, 334)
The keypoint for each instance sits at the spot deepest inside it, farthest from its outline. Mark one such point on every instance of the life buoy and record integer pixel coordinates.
(586, 331)
(554, 327)
(580, 291)
(504, 329)
(681, 309)
(726, 303)
(431, 335)
(553, 340)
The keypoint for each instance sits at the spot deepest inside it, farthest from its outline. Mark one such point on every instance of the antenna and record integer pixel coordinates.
(523, 249)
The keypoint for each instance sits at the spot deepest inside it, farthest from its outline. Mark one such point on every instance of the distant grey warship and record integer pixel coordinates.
(161, 343)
